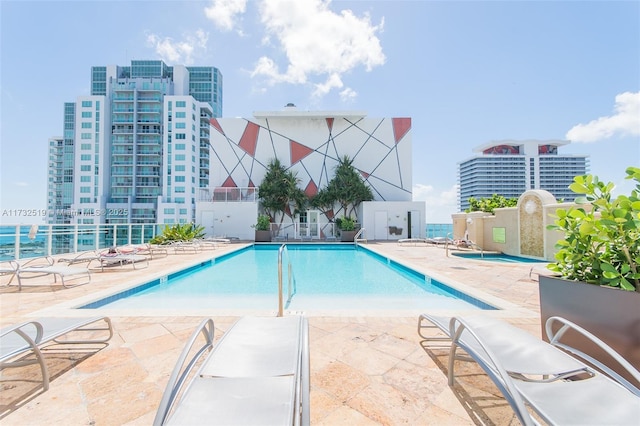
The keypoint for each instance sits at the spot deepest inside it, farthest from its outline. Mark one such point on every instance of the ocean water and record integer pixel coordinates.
(439, 230)
(33, 245)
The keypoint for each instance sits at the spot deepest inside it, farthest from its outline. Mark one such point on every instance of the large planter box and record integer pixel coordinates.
(263, 236)
(347, 236)
(611, 314)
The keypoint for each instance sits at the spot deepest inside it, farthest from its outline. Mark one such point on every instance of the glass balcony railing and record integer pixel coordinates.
(26, 241)
(223, 194)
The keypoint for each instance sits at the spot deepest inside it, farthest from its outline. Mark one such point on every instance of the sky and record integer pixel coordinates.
(466, 72)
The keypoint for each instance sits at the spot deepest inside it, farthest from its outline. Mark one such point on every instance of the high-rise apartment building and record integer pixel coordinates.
(509, 168)
(137, 148)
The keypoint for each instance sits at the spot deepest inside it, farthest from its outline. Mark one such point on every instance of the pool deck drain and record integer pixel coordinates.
(366, 368)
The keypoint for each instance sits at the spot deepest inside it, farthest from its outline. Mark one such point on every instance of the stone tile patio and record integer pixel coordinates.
(366, 368)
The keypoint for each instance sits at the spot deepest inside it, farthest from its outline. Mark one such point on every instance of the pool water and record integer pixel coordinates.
(323, 277)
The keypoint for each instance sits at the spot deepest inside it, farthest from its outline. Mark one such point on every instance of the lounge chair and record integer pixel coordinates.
(185, 247)
(205, 243)
(82, 257)
(559, 387)
(32, 336)
(112, 257)
(145, 249)
(412, 241)
(219, 240)
(70, 276)
(257, 374)
(9, 267)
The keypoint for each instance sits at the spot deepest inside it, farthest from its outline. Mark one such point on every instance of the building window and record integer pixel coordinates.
(85, 136)
(85, 157)
(179, 189)
(85, 200)
(180, 147)
(85, 190)
(86, 114)
(85, 147)
(179, 178)
(85, 168)
(180, 157)
(181, 136)
(183, 211)
(180, 168)
(181, 104)
(85, 178)
(181, 114)
(180, 126)
(87, 125)
(87, 104)
(169, 211)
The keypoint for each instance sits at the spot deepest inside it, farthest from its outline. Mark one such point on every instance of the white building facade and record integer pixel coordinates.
(137, 149)
(511, 167)
(310, 144)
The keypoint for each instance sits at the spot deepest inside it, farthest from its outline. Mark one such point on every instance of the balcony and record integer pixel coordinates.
(226, 195)
(60, 239)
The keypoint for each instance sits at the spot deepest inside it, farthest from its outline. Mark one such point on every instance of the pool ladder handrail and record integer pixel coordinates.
(291, 279)
(356, 237)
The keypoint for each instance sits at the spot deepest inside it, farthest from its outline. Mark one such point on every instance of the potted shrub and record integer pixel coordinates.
(263, 229)
(179, 232)
(598, 266)
(348, 230)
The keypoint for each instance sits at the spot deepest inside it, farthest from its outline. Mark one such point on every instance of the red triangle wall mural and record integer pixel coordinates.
(298, 151)
(311, 189)
(229, 183)
(249, 138)
(216, 125)
(330, 123)
(400, 127)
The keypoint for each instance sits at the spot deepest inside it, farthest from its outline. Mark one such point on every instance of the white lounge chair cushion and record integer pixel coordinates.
(64, 271)
(258, 347)
(52, 328)
(581, 402)
(250, 401)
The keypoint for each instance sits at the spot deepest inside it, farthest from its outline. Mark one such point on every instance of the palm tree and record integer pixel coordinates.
(278, 189)
(347, 187)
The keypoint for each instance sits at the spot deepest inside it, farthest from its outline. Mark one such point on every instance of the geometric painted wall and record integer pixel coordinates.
(310, 144)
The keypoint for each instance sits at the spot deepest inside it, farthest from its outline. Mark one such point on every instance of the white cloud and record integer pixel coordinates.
(440, 205)
(179, 52)
(224, 13)
(318, 44)
(22, 184)
(333, 82)
(348, 95)
(624, 122)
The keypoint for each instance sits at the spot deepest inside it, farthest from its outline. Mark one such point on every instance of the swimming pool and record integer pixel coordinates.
(326, 277)
(498, 257)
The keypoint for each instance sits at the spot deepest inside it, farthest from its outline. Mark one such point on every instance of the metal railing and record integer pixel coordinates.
(291, 290)
(228, 195)
(304, 231)
(27, 241)
(357, 238)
